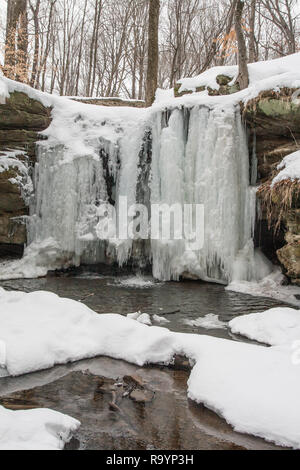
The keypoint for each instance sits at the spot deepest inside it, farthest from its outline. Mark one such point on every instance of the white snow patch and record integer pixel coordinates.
(258, 72)
(160, 320)
(256, 389)
(39, 429)
(274, 327)
(209, 322)
(290, 168)
(38, 260)
(143, 318)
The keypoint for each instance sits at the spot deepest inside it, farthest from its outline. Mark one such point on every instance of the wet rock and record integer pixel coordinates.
(133, 380)
(181, 363)
(142, 396)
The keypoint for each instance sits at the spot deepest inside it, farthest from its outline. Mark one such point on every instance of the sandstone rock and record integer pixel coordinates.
(12, 231)
(289, 256)
(21, 120)
(111, 102)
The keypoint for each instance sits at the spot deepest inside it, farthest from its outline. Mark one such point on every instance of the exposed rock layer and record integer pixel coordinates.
(274, 122)
(21, 120)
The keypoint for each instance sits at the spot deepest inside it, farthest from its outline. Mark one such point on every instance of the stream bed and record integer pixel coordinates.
(169, 420)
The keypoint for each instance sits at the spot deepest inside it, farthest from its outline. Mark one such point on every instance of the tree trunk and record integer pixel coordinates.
(16, 42)
(35, 12)
(252, 53)
(152, 72)
(243, 76)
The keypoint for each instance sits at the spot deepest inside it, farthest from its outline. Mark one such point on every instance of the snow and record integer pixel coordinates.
(212, 166)
(10, 160)
(290, 168)
(256, 389)
(209, 322)
(37, 261)
(143, 318)
(275, 327)
(270, 287)
(39, 429)
(281, 71)
(160, 320)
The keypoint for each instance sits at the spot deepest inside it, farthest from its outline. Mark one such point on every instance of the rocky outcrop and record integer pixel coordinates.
(21, 120)
(111, 102)
(274, 122)
(289, 255)
(224, 88)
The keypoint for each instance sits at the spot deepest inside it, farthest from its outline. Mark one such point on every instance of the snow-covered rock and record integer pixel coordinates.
(290, 168)
(39, 429)
(275, 327)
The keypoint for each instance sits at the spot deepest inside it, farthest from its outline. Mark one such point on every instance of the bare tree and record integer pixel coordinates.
(283, 15)
(152, 71)
(252, 50)
(16, 43)
(243, 76)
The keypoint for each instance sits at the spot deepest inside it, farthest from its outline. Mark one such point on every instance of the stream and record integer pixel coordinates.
(170, 420)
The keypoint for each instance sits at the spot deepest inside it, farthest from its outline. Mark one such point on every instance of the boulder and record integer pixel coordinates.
(223, 80)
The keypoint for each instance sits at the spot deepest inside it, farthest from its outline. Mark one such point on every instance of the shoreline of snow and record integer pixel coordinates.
(254, 388)
(37, 429)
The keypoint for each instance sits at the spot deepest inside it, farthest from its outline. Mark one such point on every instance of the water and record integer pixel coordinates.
(129, 294)
(171, 421)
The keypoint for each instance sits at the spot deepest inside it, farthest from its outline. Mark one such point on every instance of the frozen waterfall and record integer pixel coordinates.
(184, 156)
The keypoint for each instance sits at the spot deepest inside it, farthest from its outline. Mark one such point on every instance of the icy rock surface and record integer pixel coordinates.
(198, 156)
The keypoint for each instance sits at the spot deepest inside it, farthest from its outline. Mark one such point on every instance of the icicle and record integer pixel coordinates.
(208, 165)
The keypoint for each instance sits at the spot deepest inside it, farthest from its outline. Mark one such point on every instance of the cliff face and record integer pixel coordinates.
(21, 120)
(274, 122)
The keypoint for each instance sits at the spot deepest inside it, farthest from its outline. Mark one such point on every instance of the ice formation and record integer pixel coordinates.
(185, 156)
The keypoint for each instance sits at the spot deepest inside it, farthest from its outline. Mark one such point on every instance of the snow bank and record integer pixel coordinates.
(38, 260)
(279, 69)
(254, 388)
(290, 168)
(39, 429)
(275, 327)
